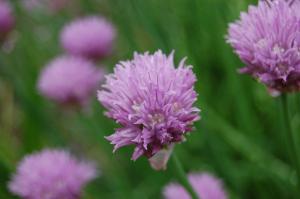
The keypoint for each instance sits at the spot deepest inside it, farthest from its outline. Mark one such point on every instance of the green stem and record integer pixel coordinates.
(179, 172)
(291, 139)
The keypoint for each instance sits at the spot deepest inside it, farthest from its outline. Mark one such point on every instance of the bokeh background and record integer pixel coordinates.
(239, 138)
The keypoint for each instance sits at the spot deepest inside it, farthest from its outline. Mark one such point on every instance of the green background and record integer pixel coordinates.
(239, 138)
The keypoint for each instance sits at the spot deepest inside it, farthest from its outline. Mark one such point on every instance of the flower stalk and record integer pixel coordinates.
(180, 174)
(291, 138)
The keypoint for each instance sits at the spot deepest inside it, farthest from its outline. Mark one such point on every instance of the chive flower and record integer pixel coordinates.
(91, 37)
(69, 80)
(51, 174)
(205, 185)
(152, 100)
(7, 19)
(267, 40)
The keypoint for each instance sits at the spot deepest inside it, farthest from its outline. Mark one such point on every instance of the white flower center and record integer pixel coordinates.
(136, 107)
(277, 49)
(176, 107)
(157, 118)
(261, 43)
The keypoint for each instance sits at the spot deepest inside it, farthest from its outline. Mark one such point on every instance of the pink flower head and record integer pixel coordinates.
(204, 184)
(90, 37)
(69, 80)
(152, 101)
(7, 19)
(267, 39)
(51, 174)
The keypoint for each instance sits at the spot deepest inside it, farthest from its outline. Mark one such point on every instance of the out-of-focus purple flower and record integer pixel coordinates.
(69, 80)
(267, 39)
(90, 37)
(45, 5)
(31, 5)
(7, 19)
(57, 5)
(153, 102)
(205, 185)
(51, 174)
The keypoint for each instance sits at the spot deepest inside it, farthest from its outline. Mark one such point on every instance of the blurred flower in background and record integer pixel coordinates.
(152, 100)
(267, 39)
(57, 5)
(51, 174)
(31, 5)
(91, 37)
(205, 185)
(7, 19)
(70, 80)
(49, 5)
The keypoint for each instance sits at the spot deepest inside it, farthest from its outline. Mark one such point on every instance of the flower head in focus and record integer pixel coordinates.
(7, 19)
(90, 37)
(69, 80)
(152, 101)
(51, 174)
(267, 40)
(205, 185)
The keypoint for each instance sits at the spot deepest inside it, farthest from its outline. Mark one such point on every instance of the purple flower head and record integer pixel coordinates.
(69, 80)
(205, 185)
(57, 5)
(90, 37)
(51, 174)
(7, 19)
(48, 6)
(152, 101)
(267, 39)
(32, 5)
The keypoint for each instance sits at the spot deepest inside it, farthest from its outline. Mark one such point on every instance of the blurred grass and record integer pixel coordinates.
(239, 137)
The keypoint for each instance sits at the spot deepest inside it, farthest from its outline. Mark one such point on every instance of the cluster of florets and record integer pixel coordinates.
(153, 102)
(205, 185)
(267, 39)
(91, 37)
(51, 174)
(7, 19)
(70, 80)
